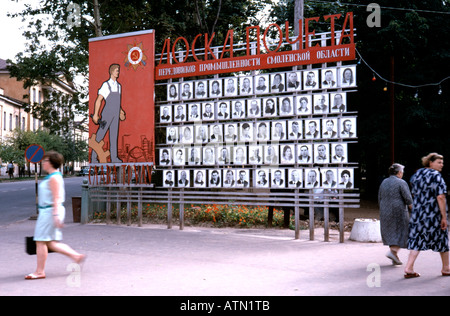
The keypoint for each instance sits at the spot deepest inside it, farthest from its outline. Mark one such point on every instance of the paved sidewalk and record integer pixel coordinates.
(154, 260)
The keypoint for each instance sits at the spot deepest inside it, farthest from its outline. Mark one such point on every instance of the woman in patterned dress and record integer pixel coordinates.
(428, 224)
(47, 233)
(394, 198)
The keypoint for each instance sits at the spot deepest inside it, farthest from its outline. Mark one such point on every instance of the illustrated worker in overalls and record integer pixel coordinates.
(111, 113)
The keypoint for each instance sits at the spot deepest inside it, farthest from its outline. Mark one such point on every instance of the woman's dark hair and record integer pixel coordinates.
(55, 158)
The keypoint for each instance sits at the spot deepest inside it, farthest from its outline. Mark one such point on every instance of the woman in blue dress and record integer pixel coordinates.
(50, 220)
(428, 223)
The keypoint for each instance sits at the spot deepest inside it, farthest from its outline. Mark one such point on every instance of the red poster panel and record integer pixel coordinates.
(121, 98)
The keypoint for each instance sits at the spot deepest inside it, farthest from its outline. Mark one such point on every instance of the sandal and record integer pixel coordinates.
(33, 276)
(411, 275)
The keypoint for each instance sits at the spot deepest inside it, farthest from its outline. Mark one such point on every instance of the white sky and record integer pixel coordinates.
(12, 41)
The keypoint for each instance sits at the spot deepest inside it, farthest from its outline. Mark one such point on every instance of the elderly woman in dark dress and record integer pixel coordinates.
(428, 224)
(394, 199)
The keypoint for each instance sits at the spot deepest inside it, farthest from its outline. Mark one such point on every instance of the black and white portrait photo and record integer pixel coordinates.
(215, 133)
(229, 178)
(245, 85)
(277, 178)
(271, 154)
(171, 135)
(348, 76)
(279, 130)
(310, 79)
(230, 133)
(269, 106)
(242, 178)
(194, 112)
(321, 103)
(262, 178)
(339, 153)
(201, 89)
(338, 102)
(262, 132)
(183, 179)
(287, 154)
(215, 88)
(255, 154)
(187, 134)
(262, 84)
(329, 78)
(293, 81)
(295, 178)
(238, 109)
(240, 155)
(168, 178)
(348, 127)
(208, 111)
(286, 105)
(165, 157)
(186, 92)
(223, 155)
(165, 114)
(201, 134)
(322, 153)
(304, 104)
(277, 82)
(199, 178)
(312, 178)
(230, 89)
(304, 154)
(179, 156)
(172, 92)
(180, 113)
(329, 178)
(312, 129)
(254, 108)
(329, 128)
(246, 132)
(295, 129)
(214, 178)
(209, 155)
(194, 156)
(345, 180)
(223, 110)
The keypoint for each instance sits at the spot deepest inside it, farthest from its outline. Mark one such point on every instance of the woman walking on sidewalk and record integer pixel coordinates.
(394, 199)
(47, 232)
(428, 228)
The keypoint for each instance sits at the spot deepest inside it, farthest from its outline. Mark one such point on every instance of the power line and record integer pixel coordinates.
(382, 7)
(398, 83)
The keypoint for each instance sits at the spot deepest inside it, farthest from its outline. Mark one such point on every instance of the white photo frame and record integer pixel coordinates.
(209, 155)
(304, 104)
(172, 135)
(321, 153)
(179, 156)
(312, 178)
(238, 109)
(294, 81)
(172, 92)
(269, 107)
(201, 134)
(184, 178)
(223, 110)
(346, 178)
(199, 178)
(277, 82)
(246, 132)
(201, 89)
(329, 178)
(271, 154)
(295, 129)
(216, 133)
(338, 102)
(254, 107)
(228, 178)
(240, 155)
(194, 112)
(262, 84)
(295, 178)
(329, 78)
(165, 115)
(165, 156)
(329, 128)
(215, 88)
(169, 178)
(347, 127)
(179, 114)
(262, 178)
(208, 111)
(347, 76)
(187, 134)
(311, 79)
(305, 154)
(287, 154)
(223, 155)
(321, 103)
(230, 133)
(278, 130)
(312, 129)
(214, 178)
(245, 85)
(277, 178)
(286, 105)
(242, 178)
(194, 155)
(339, 153)
(186, 90)
(230, 87)
(262, 132)
(256, 154)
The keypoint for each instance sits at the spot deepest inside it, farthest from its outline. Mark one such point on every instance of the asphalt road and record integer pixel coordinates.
(18, 199)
